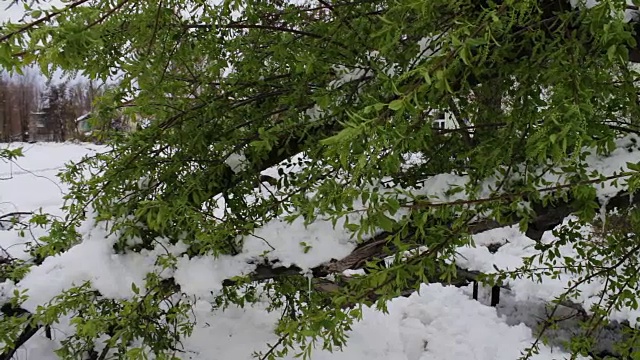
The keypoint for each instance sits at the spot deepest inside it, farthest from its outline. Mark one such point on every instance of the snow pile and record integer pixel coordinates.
(202, 276)
(303, 246)
(516, 246)
(440, 323)
(92, 260)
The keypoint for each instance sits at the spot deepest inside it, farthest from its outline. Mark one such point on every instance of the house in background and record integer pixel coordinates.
(83, 125)
(38, 129)
(43, 128)
(444, 120)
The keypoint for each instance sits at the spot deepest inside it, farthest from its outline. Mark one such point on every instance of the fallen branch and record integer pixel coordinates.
(547, 218)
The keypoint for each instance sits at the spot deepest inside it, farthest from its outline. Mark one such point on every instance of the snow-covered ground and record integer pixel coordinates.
(438, 323)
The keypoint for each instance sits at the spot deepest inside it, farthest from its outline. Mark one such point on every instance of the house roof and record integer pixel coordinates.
(83, 117)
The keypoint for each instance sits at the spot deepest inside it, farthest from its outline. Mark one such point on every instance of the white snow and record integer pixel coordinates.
(42, 189)
(202, 276)
(438, 323)
(295, 243)
(29, 184)
(236, 161)
(92, 260)
(441, 323)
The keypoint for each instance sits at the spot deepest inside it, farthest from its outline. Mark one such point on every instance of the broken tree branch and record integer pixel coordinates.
(547, 218)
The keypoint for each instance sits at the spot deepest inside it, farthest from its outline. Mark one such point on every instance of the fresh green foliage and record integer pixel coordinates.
(354, 86)
(10, 154)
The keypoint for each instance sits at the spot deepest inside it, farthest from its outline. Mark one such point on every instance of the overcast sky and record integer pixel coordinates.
(14, 13)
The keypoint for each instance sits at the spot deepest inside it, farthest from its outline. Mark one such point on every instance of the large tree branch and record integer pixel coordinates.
(547, 218)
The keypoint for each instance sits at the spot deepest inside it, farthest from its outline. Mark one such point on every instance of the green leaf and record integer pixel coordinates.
(396, 105)
(385, 223)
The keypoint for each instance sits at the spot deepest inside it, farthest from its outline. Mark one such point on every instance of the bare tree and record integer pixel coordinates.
(27, 91)
(18, 98)
(82, 95)
(4, 123)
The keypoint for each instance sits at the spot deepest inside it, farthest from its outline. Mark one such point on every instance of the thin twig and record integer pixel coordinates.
(107, 14)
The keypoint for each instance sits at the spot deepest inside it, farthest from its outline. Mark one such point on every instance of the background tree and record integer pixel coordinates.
(19, 99)
(59, 111)
(26, 94)
(4, 121)
(82, 95)
(343, 93)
